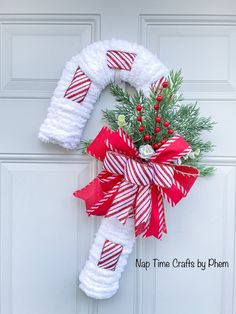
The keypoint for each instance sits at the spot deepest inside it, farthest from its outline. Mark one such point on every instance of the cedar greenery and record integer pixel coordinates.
(184, 119)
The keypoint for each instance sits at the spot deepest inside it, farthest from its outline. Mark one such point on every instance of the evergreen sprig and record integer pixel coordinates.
(184, 119)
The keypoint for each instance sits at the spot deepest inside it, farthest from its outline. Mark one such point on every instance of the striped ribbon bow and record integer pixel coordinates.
(129, 187)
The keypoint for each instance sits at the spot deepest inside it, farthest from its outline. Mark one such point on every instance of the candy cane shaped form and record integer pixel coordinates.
(80, 85)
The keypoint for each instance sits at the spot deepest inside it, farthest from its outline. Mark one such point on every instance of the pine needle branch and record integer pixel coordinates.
(184, 118)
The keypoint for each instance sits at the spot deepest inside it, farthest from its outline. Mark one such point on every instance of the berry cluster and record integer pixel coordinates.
(158, 119)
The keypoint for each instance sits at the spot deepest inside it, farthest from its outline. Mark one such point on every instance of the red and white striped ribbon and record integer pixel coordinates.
(163, 175)
(120, 60)
(123, 202)
(111, 147)
(110, 255)
(165, 147)
(138, 173)
(127, 140)
(143, 207)
(129, 187)
(180, 187)
(78, 87)
(133, 196)
(161, 213)
(105, 199)
(115, 163)
(134, 192)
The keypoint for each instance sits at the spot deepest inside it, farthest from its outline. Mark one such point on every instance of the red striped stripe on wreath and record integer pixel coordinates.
(120, 60)
(157, 84)
(110, 255)
(78, 87)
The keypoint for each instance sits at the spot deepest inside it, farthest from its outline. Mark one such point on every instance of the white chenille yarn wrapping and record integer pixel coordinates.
(66, 119)
(101, 283)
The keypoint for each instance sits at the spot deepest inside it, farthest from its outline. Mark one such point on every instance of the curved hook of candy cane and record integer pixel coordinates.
(84, 78)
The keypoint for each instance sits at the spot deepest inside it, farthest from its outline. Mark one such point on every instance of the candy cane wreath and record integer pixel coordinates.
(81, 83)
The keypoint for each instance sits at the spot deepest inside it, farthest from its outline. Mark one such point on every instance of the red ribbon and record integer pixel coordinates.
(129, 187)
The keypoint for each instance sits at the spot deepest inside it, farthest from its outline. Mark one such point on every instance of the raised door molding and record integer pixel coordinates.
(203, 46)
(34, 49)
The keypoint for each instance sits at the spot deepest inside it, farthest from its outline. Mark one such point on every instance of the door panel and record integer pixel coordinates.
(41, 238)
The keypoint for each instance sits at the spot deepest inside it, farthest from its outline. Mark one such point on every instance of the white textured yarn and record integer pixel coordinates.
(66, 119)
(64, 125)
(102, 283)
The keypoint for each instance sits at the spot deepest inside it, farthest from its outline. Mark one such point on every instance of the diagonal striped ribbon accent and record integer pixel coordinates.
(161, 213)
(120, 60)
(163, 175)
(156, 85)
(128, 140)
(114, 163)
(123, 202)
(78, 87)
(164, 148)
(180, 187)
(106, 198)
(138, 173)
(168, 198)
(111, 147)
(142, 209)
(110, 255)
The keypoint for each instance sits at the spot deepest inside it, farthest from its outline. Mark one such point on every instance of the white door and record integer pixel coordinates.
(45, 235)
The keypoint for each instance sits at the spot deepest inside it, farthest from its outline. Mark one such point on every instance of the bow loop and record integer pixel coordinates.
(121, 142)
(163, 175)
(115, 163)
(175, 148)
(138, 173)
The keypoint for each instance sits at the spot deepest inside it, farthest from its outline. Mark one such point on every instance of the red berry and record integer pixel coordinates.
(165, 84)
(141, 128)
(139, 118)
(139, 108)
(157, 130)
(147, 137)
(163, 141)
(159, 98)
(170, 131)
(156, 106)
(158, 119)
(166, 124)
(155, 146)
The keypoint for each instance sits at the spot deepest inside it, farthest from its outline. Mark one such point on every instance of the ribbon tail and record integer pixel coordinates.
(108, 180)
(143, 209)
(184, 178)
(97, 203)
(123, 202)
(157, 224)
(102, 206)
(87, 193)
